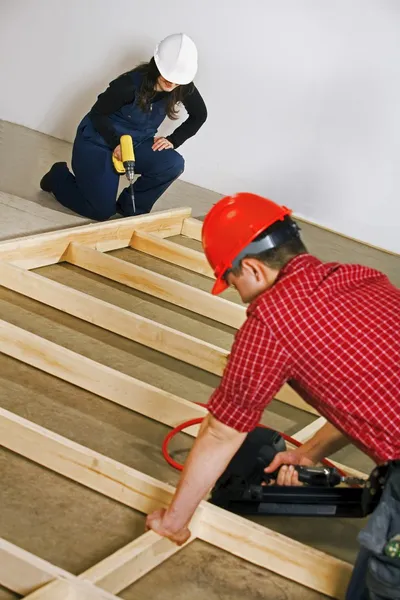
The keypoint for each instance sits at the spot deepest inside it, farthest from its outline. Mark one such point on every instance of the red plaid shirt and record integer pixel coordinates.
(332, 331)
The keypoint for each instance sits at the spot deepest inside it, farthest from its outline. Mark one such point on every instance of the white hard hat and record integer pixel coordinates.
(176, 58)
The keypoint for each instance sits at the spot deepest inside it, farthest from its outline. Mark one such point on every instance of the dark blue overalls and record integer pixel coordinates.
(93, 190)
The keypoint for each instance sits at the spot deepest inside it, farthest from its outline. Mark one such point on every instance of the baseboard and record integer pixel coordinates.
(343, 235)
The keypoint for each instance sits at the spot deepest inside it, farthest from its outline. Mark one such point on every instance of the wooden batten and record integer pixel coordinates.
(95, 377)
(112, 318)
(159, 286)
(48, 248)
(171, 252)
(192, 228)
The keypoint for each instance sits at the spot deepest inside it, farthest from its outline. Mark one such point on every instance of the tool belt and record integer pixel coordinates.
(381, 536)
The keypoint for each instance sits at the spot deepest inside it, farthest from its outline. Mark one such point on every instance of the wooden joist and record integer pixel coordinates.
(113, 318)
(307, 432)
(70, 590)
(90, 468)
(33, 577)
(192, 228)
(106, 382)
(25, 573)
(130, 563)
(172, 252)
(48, 248)
(94, 377)
(154, 284)
(159, 337)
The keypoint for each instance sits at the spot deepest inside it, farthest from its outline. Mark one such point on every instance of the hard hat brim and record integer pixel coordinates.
(175, 76)
(219, 286)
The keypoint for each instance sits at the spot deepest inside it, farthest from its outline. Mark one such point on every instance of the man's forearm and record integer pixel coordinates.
(213, 449)
(324, 443)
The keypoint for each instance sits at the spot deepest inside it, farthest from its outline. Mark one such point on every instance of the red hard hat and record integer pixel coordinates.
(232, 224)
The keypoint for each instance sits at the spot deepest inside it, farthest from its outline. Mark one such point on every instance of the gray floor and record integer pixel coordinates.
(68, 524)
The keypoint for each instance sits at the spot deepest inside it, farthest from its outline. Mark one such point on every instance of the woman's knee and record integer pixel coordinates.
(178, 164)
(103, 213)
(169, 165)
(100, 203)
(99, 193)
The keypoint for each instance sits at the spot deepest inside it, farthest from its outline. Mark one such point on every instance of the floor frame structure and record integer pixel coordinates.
(87, 247)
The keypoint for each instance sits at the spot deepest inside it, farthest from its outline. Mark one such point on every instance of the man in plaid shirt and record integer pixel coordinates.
(332, 331)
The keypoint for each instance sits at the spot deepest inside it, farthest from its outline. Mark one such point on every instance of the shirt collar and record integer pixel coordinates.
(301, 261)
(298, 263)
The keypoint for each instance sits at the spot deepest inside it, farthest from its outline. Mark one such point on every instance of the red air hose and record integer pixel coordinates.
(172, 434)
(197, 421)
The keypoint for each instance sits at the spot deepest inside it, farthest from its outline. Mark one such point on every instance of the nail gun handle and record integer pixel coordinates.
(319, 476)
(316, 476)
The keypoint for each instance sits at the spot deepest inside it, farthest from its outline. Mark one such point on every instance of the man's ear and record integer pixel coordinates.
(262, 273)
(253, 266)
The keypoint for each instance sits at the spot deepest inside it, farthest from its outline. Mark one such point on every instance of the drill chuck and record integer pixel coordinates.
(130, 170)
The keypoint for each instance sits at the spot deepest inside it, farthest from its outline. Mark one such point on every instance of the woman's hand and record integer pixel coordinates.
(161, 143)
(117, 153)
(156, 520)
(287, 474)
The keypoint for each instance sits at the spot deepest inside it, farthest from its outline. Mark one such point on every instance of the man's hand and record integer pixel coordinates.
(161, 143)
(117, 152)
(212, 451)
(156, 522)
(287, 474)
(325, 442)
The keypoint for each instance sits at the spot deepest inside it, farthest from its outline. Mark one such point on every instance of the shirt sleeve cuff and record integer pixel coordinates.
(173, 141)
(233, 414)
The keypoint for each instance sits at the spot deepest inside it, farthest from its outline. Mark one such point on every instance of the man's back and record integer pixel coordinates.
(339, 327)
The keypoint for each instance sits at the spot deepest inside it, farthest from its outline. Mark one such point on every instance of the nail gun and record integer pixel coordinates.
(244, 488)
(127, 164)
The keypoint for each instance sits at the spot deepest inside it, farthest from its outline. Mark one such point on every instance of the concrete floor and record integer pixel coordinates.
(74, 527)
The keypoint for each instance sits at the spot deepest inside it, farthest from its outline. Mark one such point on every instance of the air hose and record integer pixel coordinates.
(197, 421)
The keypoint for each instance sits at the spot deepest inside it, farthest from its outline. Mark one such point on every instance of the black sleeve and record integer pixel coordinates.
(121, 91)
(197, 111)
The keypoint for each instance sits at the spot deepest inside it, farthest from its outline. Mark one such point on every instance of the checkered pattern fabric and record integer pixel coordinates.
(332, 331)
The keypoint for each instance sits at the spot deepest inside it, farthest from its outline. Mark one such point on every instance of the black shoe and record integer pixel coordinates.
(45, 182)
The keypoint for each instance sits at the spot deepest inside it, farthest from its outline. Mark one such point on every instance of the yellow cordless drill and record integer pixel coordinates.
(127, 165)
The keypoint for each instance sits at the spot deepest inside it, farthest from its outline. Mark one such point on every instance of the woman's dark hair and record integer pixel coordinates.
(147, 91)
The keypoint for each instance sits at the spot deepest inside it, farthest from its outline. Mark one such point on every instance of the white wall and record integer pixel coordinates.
(303, 95)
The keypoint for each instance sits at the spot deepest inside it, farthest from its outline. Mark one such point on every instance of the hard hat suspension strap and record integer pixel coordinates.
(287, 232)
